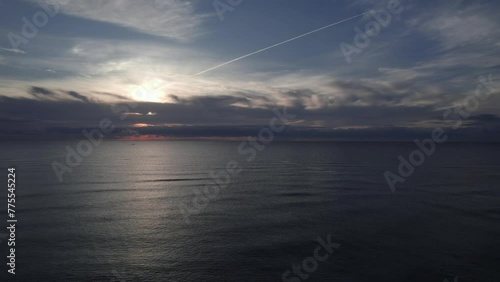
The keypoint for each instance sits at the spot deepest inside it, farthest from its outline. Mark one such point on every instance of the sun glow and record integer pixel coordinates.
(149, 91)
(142, 125)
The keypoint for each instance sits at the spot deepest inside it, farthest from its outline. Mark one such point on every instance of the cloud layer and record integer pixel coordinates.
(95, 53)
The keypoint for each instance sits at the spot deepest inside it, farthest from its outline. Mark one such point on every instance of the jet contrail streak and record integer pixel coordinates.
(278, 44)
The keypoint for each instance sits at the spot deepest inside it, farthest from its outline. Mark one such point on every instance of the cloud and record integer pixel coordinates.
(116, 96)
(40, 92)
(174, 19)
(459, 25)
(17, 51)
(456, 31)
(78, 96)
(485, 121)
(293, 132)
(230, 116)
(486, 118)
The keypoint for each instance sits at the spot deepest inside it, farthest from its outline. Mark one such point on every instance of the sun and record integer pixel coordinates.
(149, 91)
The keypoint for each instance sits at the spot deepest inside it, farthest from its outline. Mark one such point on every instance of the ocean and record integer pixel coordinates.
(203, 211)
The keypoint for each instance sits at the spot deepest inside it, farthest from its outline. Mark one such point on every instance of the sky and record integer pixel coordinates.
(362, 71)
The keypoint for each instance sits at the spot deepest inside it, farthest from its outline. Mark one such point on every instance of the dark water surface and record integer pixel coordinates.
(116, 217)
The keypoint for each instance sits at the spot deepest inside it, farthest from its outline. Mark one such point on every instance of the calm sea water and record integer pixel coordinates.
(116, 217)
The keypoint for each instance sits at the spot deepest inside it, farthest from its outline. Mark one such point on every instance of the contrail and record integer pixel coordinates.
(278, 44)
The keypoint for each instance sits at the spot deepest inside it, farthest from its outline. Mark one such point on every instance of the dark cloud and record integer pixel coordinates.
(292, 133)
(15, 120)
(78, 96)
(112, 95)
(381, 115)
(485, 118)
(358, 91)
(40, 92)
(175, 98)
(485, 121)
(212, 101)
